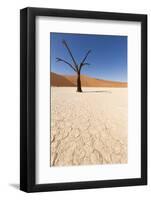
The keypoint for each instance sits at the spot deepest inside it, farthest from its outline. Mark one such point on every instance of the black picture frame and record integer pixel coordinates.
(28, 99)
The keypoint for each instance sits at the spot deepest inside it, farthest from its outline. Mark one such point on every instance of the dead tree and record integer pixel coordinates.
(77, 68)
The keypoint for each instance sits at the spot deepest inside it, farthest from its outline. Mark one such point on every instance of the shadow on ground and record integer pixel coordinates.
(101, 91)
(14, 185)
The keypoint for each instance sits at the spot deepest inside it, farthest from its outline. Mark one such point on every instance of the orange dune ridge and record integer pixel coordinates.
(86, 81)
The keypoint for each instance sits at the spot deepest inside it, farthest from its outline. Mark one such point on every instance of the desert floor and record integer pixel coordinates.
(89, 127)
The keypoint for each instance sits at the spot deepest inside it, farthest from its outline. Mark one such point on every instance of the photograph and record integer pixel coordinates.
(88, 99)
(83, 99)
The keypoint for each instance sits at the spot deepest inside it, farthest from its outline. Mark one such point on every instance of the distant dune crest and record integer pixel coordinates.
(86, 81)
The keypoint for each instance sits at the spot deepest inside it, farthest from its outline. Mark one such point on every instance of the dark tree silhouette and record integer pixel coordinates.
(77, 68)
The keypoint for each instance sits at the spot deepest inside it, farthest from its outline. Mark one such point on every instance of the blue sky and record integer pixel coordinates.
(108, 59)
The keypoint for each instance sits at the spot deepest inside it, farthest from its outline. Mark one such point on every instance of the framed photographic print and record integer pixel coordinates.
(83, 99)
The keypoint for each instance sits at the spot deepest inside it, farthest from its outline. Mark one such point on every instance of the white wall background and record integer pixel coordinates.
(9, 98)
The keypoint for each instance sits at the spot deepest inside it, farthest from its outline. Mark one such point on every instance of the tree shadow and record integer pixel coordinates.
(99, 91)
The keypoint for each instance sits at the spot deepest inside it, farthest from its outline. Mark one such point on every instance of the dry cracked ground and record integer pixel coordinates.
(89, 127)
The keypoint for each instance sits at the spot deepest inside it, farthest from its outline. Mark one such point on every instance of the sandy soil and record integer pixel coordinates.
(89, 127)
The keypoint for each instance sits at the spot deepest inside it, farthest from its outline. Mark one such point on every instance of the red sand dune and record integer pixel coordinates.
(86, 81)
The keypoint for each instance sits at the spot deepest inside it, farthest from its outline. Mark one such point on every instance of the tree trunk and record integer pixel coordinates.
(78, 83)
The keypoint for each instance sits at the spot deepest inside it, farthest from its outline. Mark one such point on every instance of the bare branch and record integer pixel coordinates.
(85, 64)
(83, 61)
(66, 45)
(86, 56)
(61, 60)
